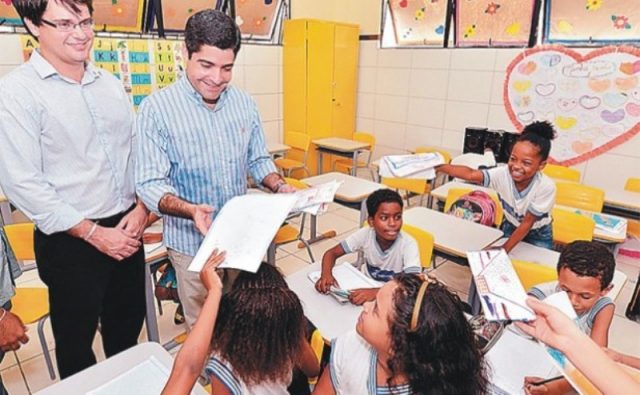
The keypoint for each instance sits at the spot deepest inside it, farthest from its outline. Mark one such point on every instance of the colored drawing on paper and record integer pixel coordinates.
(176, 12)
(8, 14)
(593, 100)
(493, 22)
(257, 19)
(118, 15)
(418, 22)
(582, 21)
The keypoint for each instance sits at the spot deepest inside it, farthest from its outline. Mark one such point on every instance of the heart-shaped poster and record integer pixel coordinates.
(593, 100)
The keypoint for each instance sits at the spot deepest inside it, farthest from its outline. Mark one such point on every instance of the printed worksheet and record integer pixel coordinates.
(501, 293)
(411, 166)
(244, 228)
(316, 200)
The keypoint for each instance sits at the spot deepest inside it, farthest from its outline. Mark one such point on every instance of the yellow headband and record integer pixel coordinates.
(416, 307)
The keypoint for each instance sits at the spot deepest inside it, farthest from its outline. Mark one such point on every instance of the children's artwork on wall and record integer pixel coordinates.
(419, 22)
(8, 14)
(593, 100)
(142, 66)
(591, 21)
(176, 12)
(494, 23)
(118, 15)
(257, 19)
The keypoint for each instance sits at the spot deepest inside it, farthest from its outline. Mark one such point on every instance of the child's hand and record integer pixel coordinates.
(208, 274)
(531, 389)
(361, 295)
(325, 283)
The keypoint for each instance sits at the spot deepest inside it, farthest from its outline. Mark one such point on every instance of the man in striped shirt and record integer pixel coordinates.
(198, 139)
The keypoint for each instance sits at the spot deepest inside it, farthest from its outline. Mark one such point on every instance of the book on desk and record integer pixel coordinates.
(348, 278)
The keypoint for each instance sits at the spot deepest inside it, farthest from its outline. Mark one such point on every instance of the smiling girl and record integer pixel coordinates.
(527, 195)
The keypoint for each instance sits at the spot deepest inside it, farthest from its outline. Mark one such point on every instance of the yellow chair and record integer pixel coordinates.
(299, 143)
(317, 345)
(425, 244)
(633, 226)
(410, 185)
(568, 226)
(455, 193)
(289, 233)
(532, 274)
(579, 196)
(344, 164)
(561, 173)
(30, 304)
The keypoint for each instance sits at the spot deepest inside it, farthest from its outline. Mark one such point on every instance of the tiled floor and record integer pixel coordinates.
(624, 334)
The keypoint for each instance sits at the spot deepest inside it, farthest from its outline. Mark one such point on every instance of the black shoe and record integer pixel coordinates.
(178, 317)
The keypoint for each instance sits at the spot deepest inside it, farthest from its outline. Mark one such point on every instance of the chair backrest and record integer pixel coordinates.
(532, 274)
(455, 193)
(425, 243)
(632, 184)
(568, 226)
(425, 150)
(561, 173)
(415, 185)
(296, 183)
(579, 196)
(368, 138)
(20, 238)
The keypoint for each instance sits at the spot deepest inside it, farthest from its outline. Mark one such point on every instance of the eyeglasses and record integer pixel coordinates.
(67, 26)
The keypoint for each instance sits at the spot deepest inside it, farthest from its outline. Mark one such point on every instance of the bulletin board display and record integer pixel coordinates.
(175, 13)
(419, 22)
(142, 66)
(257, 19)
(118, 15)
(8, 14)
(591, 21)
(593, 99)
(494, 23)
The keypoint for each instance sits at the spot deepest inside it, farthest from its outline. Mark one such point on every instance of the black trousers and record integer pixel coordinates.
(87, 287)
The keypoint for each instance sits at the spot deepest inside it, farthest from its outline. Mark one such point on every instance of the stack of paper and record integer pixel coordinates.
(348, 278)
(244, 228)
(501, 293)
(316, 200)
(411, 166)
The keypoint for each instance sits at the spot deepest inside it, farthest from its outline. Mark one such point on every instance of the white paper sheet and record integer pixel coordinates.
(148, 378)
(348, 278)
(244, 228)
(411, 166)
(316, 200)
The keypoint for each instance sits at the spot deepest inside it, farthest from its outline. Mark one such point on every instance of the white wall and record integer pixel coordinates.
(258, 70)
(426, 97)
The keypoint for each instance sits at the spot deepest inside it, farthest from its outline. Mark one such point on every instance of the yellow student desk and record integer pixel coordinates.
(140, 370)
(341, 147)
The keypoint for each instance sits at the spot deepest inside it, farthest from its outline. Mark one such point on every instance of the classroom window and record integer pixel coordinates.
(175, 13)
(496, 23)
(411, 23)
(8, 15)
(591, 21)
(119, 15)
(260, 21)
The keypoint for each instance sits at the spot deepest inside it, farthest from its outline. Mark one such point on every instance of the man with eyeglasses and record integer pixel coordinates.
(66, 161)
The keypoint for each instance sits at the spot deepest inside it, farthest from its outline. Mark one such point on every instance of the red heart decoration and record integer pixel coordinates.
(562, 75)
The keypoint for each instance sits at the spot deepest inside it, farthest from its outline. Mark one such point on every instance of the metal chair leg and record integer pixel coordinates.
(45, 349)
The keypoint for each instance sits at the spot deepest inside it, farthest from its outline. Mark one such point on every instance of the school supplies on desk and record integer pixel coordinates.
(499, 288)
(411, 166)
(605, 222)
(348, 278)
(244, 228)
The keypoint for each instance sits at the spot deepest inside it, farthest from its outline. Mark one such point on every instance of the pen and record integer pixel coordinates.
(340, 292)
(543, 382)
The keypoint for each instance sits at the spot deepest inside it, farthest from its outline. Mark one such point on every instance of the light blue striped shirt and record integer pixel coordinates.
(199, 154)
(66, 151)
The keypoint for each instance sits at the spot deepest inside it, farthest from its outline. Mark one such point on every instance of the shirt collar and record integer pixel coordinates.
(186, 85)
(46, 69)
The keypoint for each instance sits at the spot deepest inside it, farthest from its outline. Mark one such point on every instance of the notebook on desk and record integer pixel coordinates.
(348, 278)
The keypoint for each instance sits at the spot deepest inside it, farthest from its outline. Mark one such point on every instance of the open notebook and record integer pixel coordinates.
(348, 278)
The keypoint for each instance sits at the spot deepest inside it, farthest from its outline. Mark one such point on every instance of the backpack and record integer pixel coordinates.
(476, 206)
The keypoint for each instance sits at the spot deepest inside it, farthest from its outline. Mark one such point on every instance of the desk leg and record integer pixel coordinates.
(313, 233)
(354, 163)
(151, 320)
(319, 161)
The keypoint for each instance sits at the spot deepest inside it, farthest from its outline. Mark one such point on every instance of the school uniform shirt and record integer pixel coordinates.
(67, 146)
(223, 371)
(402, 256)
(353, 364)
(538, 198)
(584, 320)
(199, 154)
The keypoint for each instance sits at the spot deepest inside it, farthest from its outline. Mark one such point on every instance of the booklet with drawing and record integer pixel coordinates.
(348, 278)
(244, 228)
(499, 288)
(315, 200)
